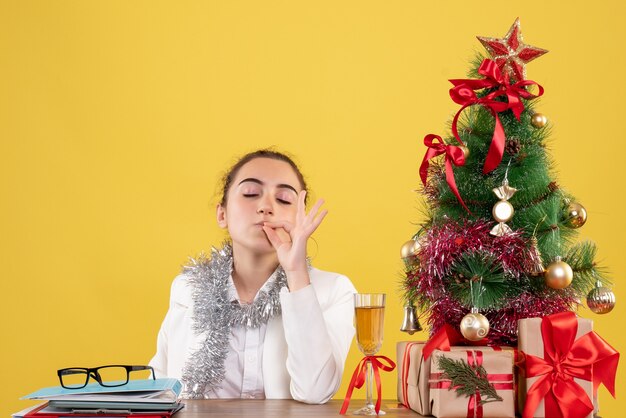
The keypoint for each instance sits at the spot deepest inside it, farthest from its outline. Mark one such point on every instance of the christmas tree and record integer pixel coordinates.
(499, 243)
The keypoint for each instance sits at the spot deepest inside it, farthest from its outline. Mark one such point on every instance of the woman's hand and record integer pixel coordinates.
(289, 240)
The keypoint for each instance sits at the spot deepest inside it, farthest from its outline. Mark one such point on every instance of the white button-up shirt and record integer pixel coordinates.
(300, 354)
(243, 364)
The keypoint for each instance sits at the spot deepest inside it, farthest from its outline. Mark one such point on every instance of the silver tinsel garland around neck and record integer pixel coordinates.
(214, 314)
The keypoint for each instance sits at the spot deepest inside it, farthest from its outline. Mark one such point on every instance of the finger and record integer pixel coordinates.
(283, 235)
(313, 212)
(287, 226)
(318, 220)
(273, 237)
(312, 227)
(300, 210)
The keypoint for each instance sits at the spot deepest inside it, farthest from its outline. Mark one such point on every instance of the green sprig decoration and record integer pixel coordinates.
(467, 380)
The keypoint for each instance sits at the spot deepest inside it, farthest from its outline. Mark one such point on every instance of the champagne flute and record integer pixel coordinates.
(369, 311)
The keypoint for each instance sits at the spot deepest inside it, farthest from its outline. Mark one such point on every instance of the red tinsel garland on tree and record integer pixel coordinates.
(445, 243)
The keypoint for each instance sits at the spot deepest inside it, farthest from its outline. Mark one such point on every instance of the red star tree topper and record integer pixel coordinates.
(511, 53)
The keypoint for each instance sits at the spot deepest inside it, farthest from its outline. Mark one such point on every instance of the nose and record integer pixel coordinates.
(265, 207)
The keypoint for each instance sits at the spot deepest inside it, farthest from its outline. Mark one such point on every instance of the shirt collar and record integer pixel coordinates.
(232, 291)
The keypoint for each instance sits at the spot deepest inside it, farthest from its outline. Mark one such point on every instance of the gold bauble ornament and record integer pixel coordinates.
(576, 215)
(502, 211)
(559, 274)
(409, 249)
(474, 326)
(601, 299)
(538, 120)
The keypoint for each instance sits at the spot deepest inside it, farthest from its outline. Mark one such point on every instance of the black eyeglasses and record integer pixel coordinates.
(108, 376)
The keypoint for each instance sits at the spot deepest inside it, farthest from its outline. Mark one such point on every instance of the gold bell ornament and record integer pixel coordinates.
(410, 323)
(601, 299)
(535, 260)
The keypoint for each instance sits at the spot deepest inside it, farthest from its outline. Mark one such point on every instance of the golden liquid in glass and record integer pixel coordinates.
(369, 328)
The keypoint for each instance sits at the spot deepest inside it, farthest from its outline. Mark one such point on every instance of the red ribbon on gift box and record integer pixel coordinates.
(406, 366)
(446, 337)
(359, 375)
(463, 93)
(565, 358)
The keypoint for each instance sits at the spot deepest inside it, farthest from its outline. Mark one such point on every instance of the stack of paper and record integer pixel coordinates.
(138, 398)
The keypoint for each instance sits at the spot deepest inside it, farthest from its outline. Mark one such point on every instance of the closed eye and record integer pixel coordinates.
(284, 202)
(250, 194)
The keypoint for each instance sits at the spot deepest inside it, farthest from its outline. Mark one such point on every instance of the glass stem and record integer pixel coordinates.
(368, 384)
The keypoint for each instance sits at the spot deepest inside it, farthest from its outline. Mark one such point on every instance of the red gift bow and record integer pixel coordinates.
(454, 155)
(358, 378)
(588, 358)
(474, 405)
(463, 93)
(446, 337)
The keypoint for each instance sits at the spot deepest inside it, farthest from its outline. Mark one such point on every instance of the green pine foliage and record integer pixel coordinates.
(581, 258)
(540, 209)
(478, 280)
(539, 202)
(467, 380)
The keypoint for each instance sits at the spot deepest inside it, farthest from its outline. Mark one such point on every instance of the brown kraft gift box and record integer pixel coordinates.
(531, 342)
(413, 372)
(499, 365)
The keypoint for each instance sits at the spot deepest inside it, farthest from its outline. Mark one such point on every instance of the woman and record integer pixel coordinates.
(255, 320)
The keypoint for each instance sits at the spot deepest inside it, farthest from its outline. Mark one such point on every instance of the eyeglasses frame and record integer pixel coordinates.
(92, 373)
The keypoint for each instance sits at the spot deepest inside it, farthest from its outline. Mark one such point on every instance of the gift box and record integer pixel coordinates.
(531, 342)
(486, 392)
(413, 373)
(565, 362)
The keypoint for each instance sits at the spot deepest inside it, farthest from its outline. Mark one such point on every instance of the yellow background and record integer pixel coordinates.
(117, 119)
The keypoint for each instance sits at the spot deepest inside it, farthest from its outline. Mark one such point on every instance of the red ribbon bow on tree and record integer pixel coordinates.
(463, 93)
(454, 155)
(588, 358)
(358, 378)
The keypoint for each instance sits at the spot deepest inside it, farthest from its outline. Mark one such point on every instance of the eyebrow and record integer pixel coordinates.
(280, 186)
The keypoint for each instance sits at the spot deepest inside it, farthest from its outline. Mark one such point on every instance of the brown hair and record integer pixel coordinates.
(262, 153)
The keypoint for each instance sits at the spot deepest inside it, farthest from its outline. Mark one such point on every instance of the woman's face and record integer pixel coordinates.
(263, 190)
